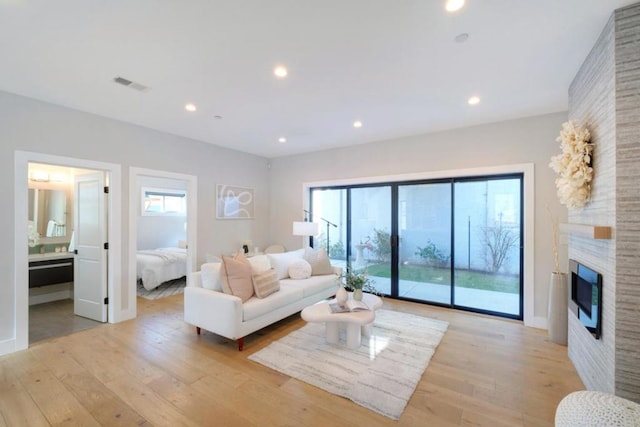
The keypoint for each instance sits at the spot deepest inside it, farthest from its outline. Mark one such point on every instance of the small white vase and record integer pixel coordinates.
(357, 294)
(342, 295)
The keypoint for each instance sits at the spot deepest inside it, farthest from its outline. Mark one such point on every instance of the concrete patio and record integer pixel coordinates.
(467, 297)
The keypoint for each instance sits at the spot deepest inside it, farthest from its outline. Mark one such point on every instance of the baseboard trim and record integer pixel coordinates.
(537, 322)
(50, 297)
(7, 346)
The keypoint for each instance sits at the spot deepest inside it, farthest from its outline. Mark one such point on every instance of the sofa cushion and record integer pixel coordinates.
(319, 260)
(236, 276)
(211, 276)
(299, 269)
(259, 263)
(280, 262)
(313, 284)
(265, 283)
(256, 307)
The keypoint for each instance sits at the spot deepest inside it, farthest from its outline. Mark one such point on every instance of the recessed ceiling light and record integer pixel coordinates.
(190, 107)
(474, 100)
(357, 124)
(282, 140)
(461, 38)
(453, 5)
(280, 71)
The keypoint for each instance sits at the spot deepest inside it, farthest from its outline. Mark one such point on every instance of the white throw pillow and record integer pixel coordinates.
(259, 263)
(280, 262)
(210, 273)
(299, 269)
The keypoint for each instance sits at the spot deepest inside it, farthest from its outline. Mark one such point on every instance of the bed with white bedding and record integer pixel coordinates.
(156, 266)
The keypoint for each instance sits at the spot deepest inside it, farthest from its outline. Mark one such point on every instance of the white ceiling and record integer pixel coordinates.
(393, 64)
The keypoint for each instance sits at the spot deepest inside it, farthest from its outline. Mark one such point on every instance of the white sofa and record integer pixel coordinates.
(207, 307)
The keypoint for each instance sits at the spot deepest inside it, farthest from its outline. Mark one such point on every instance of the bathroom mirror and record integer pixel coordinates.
(48, 212)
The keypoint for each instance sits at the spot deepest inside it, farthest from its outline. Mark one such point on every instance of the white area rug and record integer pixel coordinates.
(380, 375)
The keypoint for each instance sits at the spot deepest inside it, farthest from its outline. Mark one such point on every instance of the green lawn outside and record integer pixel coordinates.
(463, 278)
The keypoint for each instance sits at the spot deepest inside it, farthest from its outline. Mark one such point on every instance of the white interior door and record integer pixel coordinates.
(90, 263)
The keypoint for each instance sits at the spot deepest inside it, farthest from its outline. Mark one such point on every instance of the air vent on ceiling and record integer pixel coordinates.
(130, 84)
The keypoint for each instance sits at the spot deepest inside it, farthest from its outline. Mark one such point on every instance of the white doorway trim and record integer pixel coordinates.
(21, 261)
(135, 174)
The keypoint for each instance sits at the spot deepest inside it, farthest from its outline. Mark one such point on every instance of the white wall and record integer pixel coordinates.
(529, 140)
(159, 231)
(34, 126)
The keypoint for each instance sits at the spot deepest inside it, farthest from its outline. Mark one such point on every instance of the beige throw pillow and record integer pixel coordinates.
(236, 277)
(266, 283)
(319, 260)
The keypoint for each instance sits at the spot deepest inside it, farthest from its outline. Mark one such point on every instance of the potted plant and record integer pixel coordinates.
(358, 281)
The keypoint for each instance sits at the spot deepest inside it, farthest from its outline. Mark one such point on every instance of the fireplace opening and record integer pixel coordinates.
(586, 294)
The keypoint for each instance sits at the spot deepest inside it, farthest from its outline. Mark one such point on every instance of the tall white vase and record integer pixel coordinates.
(341, 295)
(557, 316)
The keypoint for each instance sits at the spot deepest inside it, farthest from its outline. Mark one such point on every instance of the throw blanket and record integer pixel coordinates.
(165, 255)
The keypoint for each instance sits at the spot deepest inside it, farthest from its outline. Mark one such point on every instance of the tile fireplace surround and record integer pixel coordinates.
(604, 97)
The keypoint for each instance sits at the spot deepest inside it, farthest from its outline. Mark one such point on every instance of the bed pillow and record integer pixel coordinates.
(210, 273)
(259, 263)
(319, 260)
(280, 262)
(236, 277)
(299, 269)
(265, 283)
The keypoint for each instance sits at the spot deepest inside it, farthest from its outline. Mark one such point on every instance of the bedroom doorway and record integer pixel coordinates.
(163, 229)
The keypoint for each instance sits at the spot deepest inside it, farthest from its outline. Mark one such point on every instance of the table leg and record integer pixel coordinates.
(367, 330)
(353, 335)
(332, 332)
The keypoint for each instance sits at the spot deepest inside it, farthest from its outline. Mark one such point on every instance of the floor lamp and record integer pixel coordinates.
(329, 223)
(307, 216)
(305, 228)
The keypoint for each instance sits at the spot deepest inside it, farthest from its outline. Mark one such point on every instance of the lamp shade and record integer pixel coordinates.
(301, 228)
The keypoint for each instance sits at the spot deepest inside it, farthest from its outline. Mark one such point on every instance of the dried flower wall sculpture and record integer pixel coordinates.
(573, 165)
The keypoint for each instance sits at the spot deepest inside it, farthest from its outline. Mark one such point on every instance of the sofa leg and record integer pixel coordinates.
(240, 344)
(198, 330)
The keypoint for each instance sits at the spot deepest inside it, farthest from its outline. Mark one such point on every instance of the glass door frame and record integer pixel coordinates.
(395, 236)
(520, 177)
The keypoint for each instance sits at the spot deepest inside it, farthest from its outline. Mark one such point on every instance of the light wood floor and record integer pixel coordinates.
(155, 370)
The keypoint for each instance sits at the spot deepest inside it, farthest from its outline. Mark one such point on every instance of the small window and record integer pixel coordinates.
(164, 202)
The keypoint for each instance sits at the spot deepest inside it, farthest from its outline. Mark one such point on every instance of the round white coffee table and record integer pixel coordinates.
(357, 323)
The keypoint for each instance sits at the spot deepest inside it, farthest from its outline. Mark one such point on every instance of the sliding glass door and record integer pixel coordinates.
(424, 252)
(455, 242)
(329, 210)
(370, 223)
(488, 245)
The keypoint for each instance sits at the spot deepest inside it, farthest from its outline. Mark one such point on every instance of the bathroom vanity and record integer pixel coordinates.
(50, 269)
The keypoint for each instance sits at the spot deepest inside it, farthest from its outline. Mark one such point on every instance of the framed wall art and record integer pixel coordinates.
(234, 202)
